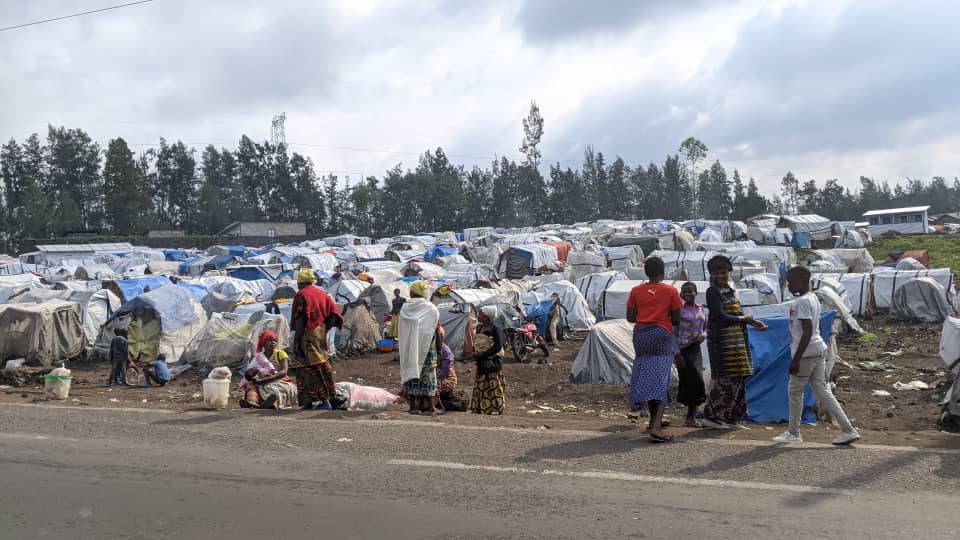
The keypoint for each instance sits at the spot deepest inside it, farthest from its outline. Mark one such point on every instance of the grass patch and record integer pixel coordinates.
(868, 337)
(944, 249)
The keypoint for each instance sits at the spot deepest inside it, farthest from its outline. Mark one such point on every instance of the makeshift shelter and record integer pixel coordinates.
(921, 299)
(451, 260)
(817, 227)
(922, 256)
(95, 306)
(909, 263)
(424, 270)
(592, 286)
(261, 289)
(41, 333)
(843, 260)
(95, 271)
(128, 289)
(162, 320)
(527, 259)
(324, 262)
(477, 297)
(606, 356)
(215, 302)
(857, 290)
(346, 291)
(361, 330)
(621, 258)
(380, 297)
(584, 263)
(459, 323)
(950, 354)
(767, 285)
(230, 339)
(575, 306)
(886, 282)
(467, 274)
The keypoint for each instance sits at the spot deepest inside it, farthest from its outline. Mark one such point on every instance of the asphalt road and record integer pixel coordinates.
(92, 473)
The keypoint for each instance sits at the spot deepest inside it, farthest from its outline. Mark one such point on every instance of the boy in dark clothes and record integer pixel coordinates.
(119, 356)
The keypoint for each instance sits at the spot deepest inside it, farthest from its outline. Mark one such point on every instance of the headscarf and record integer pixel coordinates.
(490, 311)
(419, 288)
(264, 337)
(719, 262)
(306, 275)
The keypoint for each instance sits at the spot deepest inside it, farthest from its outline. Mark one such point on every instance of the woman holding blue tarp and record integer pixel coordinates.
(731, 362)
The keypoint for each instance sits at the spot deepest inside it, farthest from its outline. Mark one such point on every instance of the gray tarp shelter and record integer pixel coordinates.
(42, 333)
(606, 356)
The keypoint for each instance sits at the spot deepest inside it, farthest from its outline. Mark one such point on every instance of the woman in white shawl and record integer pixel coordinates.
(420, 341)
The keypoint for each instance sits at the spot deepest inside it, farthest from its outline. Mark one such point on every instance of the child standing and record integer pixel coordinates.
(809, 360)
(691, 332)
(119, 356)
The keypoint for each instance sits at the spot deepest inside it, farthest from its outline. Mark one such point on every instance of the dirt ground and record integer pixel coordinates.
(539, 397)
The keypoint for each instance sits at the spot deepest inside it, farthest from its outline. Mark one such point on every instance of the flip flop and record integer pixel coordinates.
(660, 438)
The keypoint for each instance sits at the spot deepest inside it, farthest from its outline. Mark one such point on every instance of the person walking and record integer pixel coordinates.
(312, 313)
(809, 361)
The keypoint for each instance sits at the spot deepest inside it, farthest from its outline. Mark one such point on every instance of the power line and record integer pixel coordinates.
(82, 13)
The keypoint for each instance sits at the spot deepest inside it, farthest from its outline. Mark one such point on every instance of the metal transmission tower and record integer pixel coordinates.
(278, 134)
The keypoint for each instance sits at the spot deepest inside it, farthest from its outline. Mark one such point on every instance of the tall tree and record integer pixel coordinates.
(790, 194)
(808, 197)
(532, 133)
(73, 162)
(715, 192)
(478, 190)
(125, 189)
(677, 192)
(694, 151)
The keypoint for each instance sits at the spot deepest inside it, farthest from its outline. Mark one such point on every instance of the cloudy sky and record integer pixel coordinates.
(825, 89)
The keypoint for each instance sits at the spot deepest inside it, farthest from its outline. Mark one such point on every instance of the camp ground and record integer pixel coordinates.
(205, 308)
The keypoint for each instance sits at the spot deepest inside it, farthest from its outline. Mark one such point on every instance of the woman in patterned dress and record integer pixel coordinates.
(489, 385)
(729, 348)
(654, 308)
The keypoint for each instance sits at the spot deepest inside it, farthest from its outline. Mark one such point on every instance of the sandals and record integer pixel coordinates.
(661, 438)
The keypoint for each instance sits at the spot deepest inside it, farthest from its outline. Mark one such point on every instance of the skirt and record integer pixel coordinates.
(448, 384)
(488, 393)
(314, 383)
(727, 401)
(426, 385)
(650, 378)
(691, 391)
(285, 392)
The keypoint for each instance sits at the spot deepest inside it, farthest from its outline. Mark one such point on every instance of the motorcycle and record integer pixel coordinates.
(524, 339)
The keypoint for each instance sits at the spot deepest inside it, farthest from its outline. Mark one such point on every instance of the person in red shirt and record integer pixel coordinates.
(654, 308)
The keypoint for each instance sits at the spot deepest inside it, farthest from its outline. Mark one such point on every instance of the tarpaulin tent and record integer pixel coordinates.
(616, 296)
(767, 398)
(95, 306)
(440, 251)
(364, 330)
(380, 297)
(575, 307)
(584, 263)
(271, 272)
(41, 333)
(347, 291)
(215, 302)
(459, 323)
(178, 255)
(230, 339)
(606, 356)
(526, 259)
(621, 258)
(261, 289)
(424, 270)
(592, 286)
(920, 255)
(887, 281)
(317, 261)
(858, 290)
(466, 274)
(198, 291)
(128, 289)
(921, 299)
(162, 320)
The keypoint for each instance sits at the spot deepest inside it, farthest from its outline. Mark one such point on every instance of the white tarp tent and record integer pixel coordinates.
(592, 286)
(42, 333)
(921, 299)
(887, 281)
(574, 304)
(347, 291)
(606, 356)
(858, 287)
(583, 263)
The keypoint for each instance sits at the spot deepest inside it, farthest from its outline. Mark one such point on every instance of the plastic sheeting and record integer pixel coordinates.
(950, 344)
(767, 285)
(592, 286)
(42, 333)
(364, 329)
(347, 291)
(261, 289)
(425, 270)
(921, 299)
(380, 297)
(459, 323)
(909, 263)
(128, 289)
(574, 304)
(317, 261)
(584, 263)
(621, 258)
(767, 397)
(230, 340)
(886, 282)
(858, 290)
(606, 356)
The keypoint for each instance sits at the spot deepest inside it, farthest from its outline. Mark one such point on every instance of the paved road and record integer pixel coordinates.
(91, 473)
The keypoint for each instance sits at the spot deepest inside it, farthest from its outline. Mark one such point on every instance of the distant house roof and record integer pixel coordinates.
(122, 247)
(240, 224)
(908, 210)
(805, 218)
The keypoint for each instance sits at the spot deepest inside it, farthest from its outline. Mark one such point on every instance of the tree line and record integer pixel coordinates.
(69, 183)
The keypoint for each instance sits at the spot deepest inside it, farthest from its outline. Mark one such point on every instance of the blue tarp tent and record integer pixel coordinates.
(177, 255)
(800, 240)
(541, 312)
(132, 288)
(198, 291)
(270, 272)
(767, 398)
(440, 251)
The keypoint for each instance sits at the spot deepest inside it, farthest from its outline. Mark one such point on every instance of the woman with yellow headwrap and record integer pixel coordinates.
(421, 342)
(312, 313)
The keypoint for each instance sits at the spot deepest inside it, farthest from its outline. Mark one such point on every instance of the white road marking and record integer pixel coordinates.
(34, 437)
(624, 477)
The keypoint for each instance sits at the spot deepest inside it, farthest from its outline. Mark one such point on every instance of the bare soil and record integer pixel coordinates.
(538, 395)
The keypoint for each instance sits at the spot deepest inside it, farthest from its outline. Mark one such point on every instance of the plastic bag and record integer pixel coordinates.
(57, 383)
(222, 373)
(370, 398)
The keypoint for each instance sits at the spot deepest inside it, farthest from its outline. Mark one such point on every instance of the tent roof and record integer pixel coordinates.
(906, 210)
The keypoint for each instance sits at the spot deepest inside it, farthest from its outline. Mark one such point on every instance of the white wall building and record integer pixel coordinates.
(911, 220)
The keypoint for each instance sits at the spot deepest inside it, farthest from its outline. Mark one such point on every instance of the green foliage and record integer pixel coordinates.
(868, 337)
(944, 250)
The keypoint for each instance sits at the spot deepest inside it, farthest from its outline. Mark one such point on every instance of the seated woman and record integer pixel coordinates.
(447, 381)
(265, 383)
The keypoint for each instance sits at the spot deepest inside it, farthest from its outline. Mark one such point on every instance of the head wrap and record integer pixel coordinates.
(365, 277)
(264, 337)
(490, 311)
(306, 275)
(720, 262)
(419, 288)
